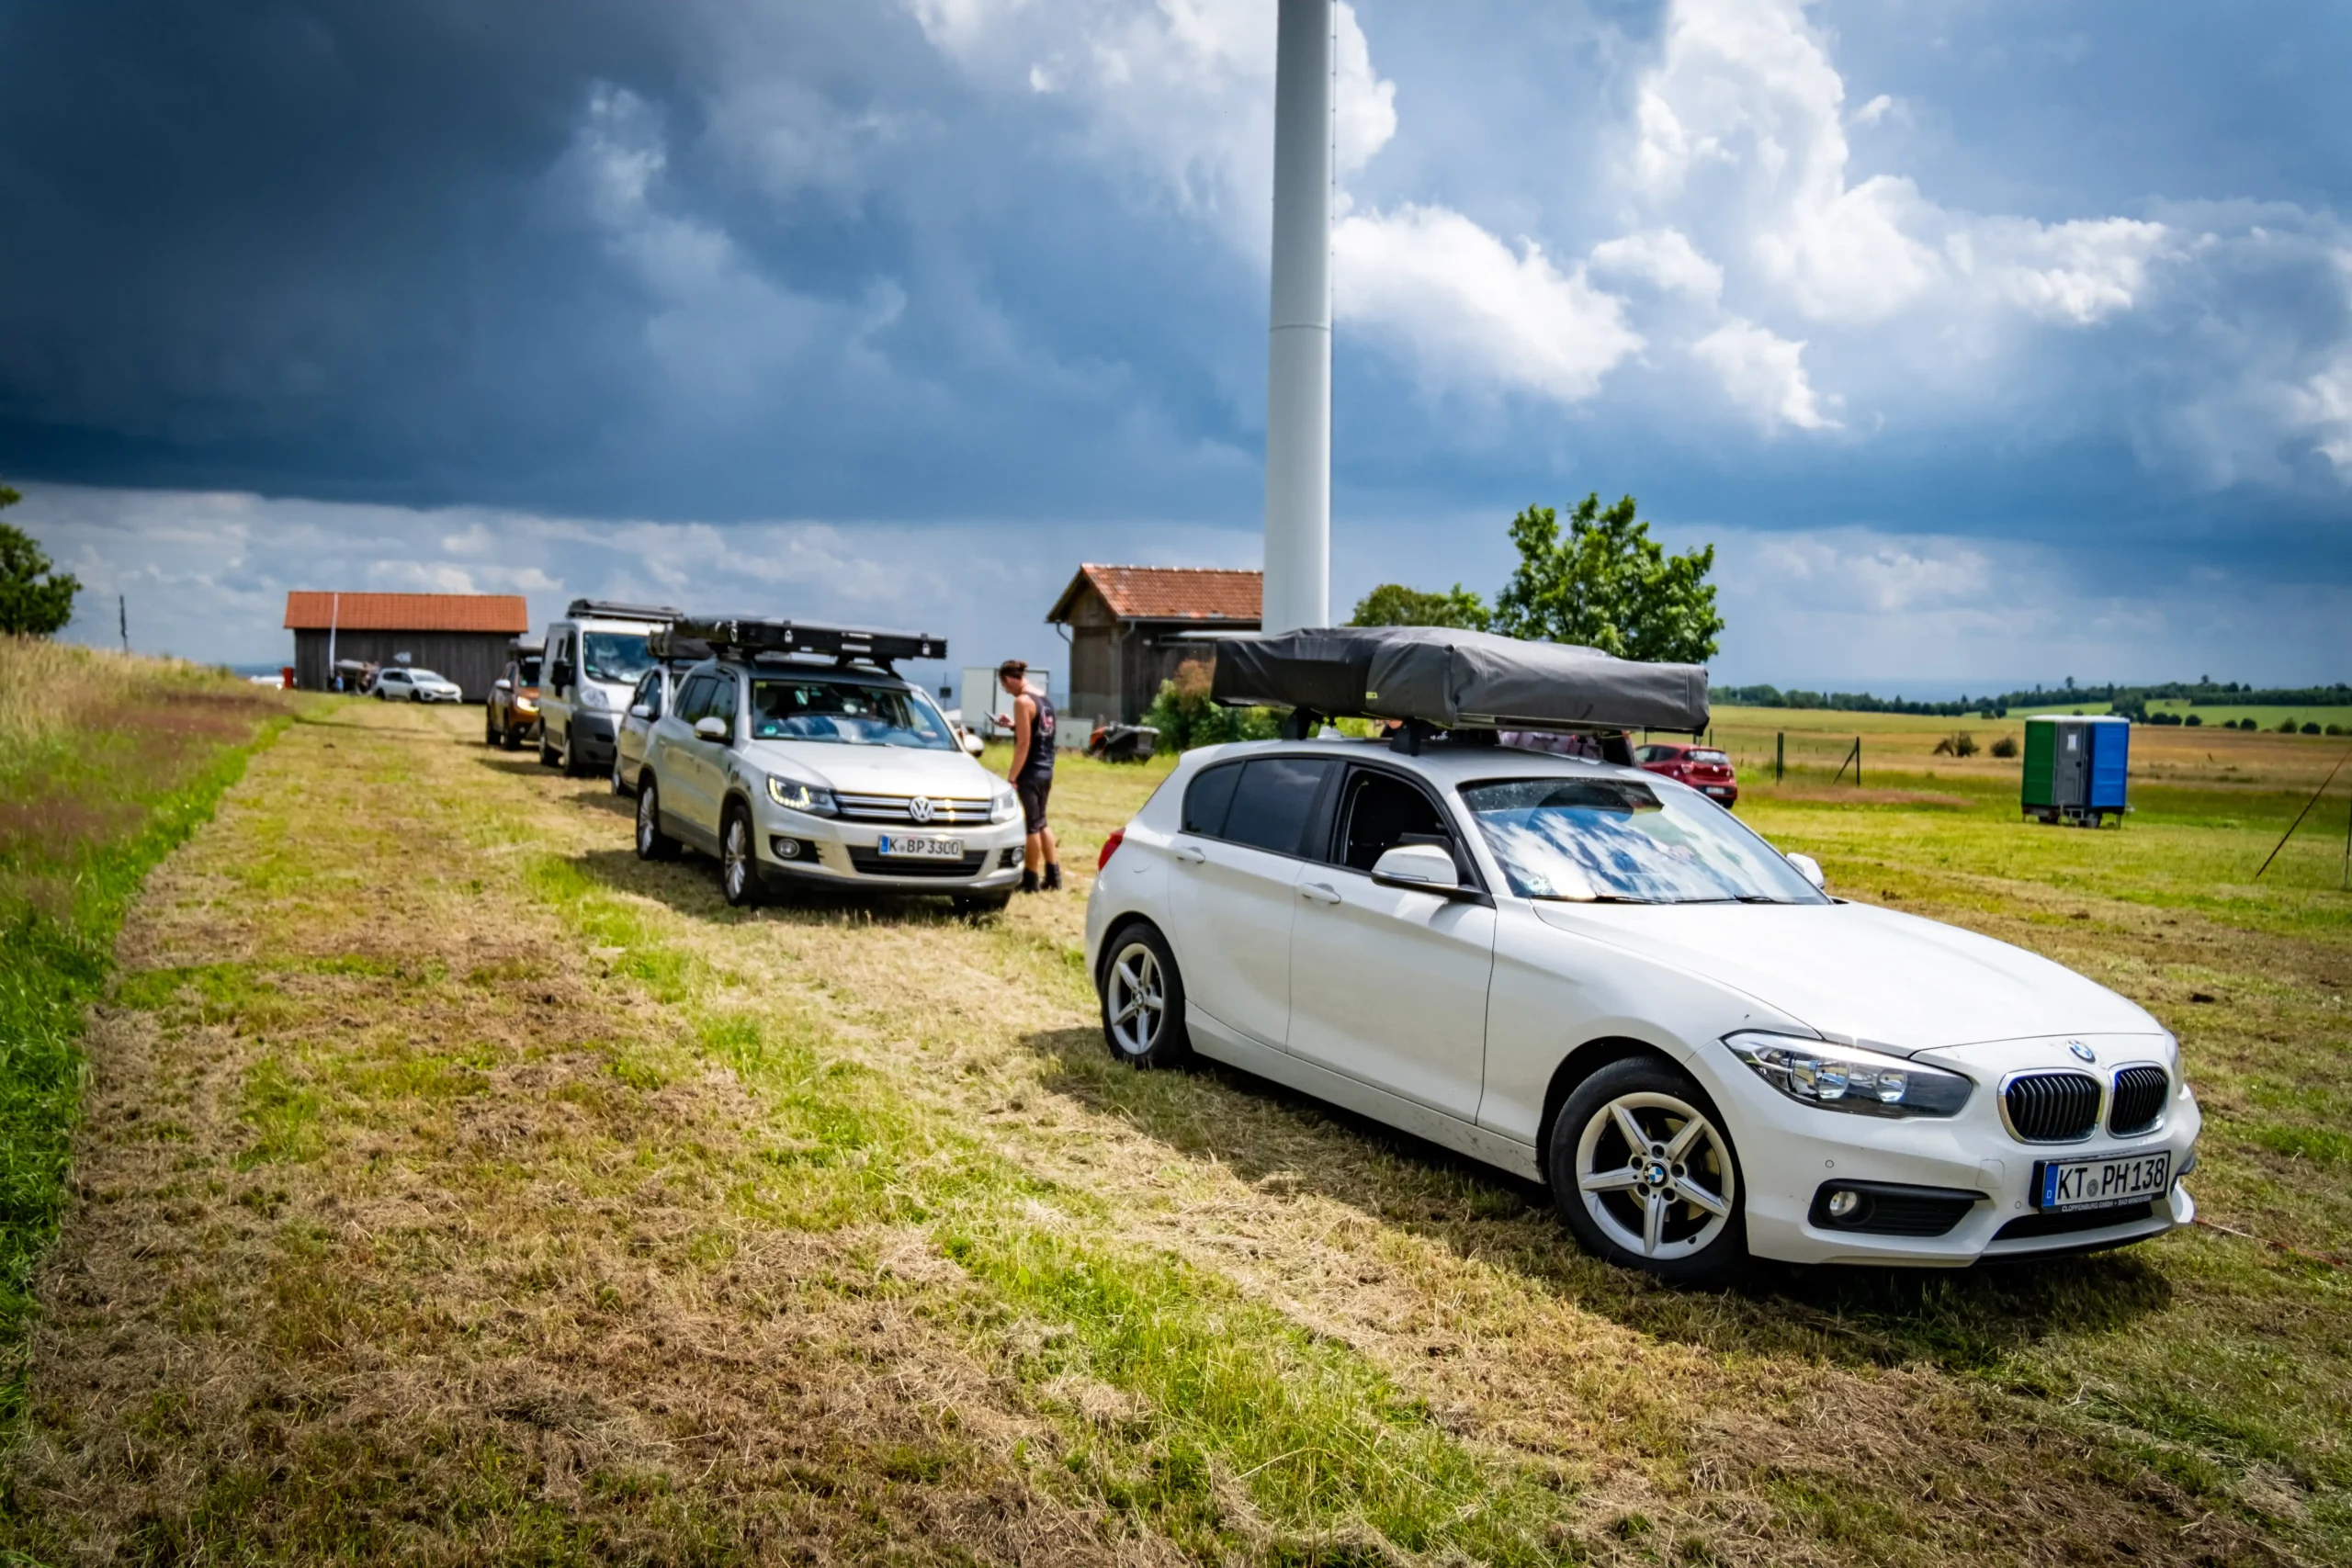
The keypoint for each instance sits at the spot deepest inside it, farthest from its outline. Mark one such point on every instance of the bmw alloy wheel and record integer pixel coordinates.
(1137, 998)
(1655, 1176)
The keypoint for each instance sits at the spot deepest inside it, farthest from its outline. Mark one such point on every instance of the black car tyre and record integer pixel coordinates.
(980, 903)
(547, 752)
(568, 758)
(1143, 999)
(614, 779)
(1646, 1175)
(652, 843)
(739, 862)
(489, 726)
(509, 738)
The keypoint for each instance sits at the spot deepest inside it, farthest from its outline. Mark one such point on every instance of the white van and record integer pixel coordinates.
(594, 656)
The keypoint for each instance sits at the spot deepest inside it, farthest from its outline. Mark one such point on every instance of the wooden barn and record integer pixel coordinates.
(1130, 627)
(461, 635)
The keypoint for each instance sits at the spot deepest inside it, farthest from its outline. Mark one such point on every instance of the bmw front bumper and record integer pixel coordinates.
(1792, 1155)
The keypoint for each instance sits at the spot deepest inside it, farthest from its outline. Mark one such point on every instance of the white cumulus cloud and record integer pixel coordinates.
(1470, 310)
(1764, 374)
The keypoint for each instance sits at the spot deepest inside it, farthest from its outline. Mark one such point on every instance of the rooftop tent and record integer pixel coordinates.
(1454, 678)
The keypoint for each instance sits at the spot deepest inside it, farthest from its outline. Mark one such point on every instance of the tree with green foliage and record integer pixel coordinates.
(1393, 604)
(1609, 585)
(36, 599)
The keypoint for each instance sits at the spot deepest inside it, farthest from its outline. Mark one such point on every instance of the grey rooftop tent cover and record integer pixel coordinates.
(1458, 678)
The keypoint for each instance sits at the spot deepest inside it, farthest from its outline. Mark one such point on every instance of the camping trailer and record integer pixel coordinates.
(2076, 768)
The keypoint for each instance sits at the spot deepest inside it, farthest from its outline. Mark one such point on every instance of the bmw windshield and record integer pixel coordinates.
(1619, 840)
(848, 713)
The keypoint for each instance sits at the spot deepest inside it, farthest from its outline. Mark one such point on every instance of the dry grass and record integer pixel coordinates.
(458, 1187)
(403, 1232)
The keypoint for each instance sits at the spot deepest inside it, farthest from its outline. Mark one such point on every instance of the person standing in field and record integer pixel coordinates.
(1033, 775)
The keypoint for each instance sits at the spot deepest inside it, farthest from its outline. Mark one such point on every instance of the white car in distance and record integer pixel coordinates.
(1593, 977)
(400, 684)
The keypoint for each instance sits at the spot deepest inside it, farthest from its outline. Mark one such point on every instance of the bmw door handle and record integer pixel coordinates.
(1320, 892)
(1191, 854)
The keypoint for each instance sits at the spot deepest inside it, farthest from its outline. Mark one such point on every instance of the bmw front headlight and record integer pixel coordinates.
(594, 698)
(795, 796)
(1003, 805)
(1847, 1077)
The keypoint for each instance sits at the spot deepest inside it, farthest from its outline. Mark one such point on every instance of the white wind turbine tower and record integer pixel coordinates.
(1298, 359)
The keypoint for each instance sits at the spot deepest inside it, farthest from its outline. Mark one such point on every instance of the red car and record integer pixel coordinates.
(1703, 768)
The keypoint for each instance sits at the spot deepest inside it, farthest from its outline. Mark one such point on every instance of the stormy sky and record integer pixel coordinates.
(1987, 342)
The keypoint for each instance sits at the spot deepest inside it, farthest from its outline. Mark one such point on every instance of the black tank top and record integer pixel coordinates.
(1039, 763)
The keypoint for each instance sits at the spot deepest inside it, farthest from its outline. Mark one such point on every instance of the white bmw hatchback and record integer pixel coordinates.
(1596, 978)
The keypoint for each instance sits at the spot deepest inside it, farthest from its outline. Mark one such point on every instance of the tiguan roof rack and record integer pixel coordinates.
(612, 610)
(753, 636)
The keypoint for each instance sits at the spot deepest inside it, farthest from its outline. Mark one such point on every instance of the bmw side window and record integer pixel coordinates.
(649, 695)
(1380, 811)
(693, 703)
(722, 703)
(1207, 798)
(1273, 802)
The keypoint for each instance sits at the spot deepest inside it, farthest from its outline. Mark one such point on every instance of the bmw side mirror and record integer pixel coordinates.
(710, 729)
(1810, 869)
(1423, 868)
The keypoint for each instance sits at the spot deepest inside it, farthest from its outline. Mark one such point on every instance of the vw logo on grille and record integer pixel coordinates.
(2081, 1052)
(920, 808)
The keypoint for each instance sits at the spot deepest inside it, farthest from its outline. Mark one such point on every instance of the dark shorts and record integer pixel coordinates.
(1033, 792)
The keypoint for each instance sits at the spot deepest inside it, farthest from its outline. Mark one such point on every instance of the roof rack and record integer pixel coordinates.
(612, 610)
(756, 635)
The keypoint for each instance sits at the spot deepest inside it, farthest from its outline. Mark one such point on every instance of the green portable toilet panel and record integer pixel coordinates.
(2040, 749)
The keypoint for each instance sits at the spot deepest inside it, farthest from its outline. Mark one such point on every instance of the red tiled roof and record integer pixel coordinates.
(502, 613)
(1169, 594)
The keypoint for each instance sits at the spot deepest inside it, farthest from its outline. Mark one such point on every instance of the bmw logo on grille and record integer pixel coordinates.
(2081, 1052)
(920, 808)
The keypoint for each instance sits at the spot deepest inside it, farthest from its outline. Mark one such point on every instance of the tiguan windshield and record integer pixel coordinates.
(1620, 840)
(618, 657)
(847, 712)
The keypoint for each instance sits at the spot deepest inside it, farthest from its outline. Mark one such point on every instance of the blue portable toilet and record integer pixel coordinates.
(2110, 742)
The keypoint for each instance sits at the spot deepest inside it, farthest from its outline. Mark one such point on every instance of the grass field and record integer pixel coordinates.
(455, 1188)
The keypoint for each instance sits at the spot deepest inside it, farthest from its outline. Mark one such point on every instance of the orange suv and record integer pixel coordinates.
(1703, 768)
(511, 717)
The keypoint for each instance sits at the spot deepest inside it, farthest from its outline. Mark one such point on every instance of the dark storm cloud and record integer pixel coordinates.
(393, 253)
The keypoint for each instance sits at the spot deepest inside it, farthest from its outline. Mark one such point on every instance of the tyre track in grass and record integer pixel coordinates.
(1751, 1427)
(401, 1231)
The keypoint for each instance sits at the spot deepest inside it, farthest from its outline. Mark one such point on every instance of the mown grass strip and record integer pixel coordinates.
(56, 955)
(1250, 1433)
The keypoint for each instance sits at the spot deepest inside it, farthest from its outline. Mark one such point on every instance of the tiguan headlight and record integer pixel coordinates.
(794, 795)
(1003, 805)
(1847, 1077)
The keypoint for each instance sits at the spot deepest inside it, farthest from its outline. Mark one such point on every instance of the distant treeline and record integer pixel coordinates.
(2133, 700)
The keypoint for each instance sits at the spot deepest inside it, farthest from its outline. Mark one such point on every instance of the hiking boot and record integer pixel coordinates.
(1029, 881)
(1053, 877)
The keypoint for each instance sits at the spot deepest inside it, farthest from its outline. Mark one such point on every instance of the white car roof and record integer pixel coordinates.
(1446, 765)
